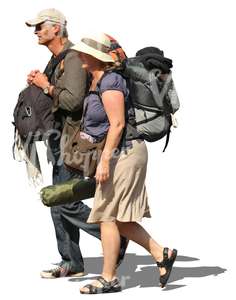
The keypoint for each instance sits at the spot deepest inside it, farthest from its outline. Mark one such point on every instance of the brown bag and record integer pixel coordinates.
(81, 155)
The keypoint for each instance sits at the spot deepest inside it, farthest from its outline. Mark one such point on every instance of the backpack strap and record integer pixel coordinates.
(158, 95)
(49, 71)
(54, 61)
(167, 140)
(96, 92)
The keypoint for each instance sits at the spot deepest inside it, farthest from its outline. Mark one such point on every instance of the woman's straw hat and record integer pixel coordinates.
(96, 45)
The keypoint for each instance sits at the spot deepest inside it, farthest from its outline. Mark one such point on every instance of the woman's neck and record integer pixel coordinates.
(97, 74)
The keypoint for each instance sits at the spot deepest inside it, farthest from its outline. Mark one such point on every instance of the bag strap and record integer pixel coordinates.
(85, 108)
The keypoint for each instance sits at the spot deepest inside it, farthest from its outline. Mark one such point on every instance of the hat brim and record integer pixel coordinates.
(82, 47)
(35, 21)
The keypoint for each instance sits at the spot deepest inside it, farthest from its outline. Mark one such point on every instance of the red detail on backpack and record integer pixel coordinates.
(117, 52)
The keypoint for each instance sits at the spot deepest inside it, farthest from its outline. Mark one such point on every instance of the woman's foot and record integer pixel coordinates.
(165, 265)
(101, 285)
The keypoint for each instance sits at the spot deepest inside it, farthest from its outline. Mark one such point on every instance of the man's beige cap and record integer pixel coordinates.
(50, 14)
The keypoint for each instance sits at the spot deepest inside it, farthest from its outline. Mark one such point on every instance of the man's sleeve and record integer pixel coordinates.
(71, 88)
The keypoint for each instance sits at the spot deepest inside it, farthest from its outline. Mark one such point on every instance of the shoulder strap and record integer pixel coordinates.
(54, 61)
(85, 107)
(100, 81)
(97, 92)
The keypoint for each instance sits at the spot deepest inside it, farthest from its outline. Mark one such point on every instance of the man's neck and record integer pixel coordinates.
(57, 45)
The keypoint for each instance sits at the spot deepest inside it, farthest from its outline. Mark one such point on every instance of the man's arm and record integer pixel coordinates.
(71, 87)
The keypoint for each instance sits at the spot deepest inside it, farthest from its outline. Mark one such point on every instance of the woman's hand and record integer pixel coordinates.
(102, 172)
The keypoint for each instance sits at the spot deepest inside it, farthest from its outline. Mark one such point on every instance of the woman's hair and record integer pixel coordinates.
(110, 66)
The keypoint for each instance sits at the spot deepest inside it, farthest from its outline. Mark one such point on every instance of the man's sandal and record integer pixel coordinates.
(107, 287)
(166, 263)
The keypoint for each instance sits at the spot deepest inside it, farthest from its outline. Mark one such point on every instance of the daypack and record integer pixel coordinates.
(152, 92)
(33, 115)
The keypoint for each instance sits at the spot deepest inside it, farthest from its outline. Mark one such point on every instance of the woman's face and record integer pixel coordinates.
(90, 63)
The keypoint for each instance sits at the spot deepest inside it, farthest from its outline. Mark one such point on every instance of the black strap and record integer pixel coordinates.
(148, 119)
(167, 139)
(52, 64)
(163, 263)
(159, 96)
(165, 253)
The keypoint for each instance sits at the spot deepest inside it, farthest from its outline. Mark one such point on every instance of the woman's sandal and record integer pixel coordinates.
(107, 287)
(166, 263)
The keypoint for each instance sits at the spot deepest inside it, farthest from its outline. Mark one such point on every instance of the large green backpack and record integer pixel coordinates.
(151, 90)
(154, 98)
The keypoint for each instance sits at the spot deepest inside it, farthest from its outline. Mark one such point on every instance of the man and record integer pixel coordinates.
(67, 88)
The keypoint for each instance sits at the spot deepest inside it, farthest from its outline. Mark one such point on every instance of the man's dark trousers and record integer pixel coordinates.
(68, 220)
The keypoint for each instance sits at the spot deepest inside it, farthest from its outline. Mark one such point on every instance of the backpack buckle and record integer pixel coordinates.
(28, 111)
(174, 121)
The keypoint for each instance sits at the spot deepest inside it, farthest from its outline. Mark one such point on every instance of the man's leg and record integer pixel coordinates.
(68, 219)
(77, 214)
(64, 232)
(61, 235)
(74, 217)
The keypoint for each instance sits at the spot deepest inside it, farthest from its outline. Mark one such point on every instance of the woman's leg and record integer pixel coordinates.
(139, 235)
(110, 237)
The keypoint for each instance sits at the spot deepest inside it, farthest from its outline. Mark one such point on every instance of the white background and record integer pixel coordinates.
(191, 186)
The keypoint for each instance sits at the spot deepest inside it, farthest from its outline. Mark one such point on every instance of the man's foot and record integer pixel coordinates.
(60, 272)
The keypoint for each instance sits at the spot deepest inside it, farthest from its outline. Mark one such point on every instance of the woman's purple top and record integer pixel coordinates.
(95, 120)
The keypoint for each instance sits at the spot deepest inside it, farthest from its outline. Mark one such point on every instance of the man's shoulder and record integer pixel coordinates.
(72, 55)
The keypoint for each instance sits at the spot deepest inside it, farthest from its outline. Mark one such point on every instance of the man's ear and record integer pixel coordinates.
(57, 29)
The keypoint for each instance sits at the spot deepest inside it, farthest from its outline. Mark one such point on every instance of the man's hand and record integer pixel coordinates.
(40, 80)
(31, 76)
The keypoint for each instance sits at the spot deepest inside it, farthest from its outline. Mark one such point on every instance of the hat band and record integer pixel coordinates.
(96, 45)
(50, 19)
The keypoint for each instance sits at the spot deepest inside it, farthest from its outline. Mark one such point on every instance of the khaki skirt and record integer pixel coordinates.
(123, 196)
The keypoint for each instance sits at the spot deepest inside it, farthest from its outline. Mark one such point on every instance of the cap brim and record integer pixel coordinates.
(35, 21)
(82, 47)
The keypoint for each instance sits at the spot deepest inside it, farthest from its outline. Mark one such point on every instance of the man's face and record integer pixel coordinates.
(45, 32)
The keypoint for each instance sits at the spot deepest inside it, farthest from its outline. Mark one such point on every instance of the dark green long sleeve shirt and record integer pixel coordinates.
(70, 84)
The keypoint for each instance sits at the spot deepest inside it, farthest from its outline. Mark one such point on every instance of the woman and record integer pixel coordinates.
(121, 199)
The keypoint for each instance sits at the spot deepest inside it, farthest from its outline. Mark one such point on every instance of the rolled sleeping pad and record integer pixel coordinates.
(68, 191)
